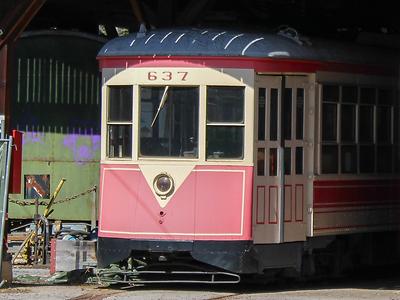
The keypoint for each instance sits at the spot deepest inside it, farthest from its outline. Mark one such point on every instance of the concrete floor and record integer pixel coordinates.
(343, 289)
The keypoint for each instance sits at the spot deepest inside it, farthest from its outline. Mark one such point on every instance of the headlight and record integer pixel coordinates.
(163, 185)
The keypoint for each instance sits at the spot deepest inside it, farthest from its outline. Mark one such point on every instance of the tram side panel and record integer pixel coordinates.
(351, 184)
(356, 187)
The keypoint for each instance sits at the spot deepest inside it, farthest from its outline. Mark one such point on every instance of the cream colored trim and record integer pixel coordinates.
(171, 233)
(202, 124)
(104, 101)
(310, 134)
(135, 125)
(105, 123)
(163, 161)
(178, 173)
(249, 117)
(225, 124)
(119, 123)
(318, 129)
(122, 169)
(194, 76)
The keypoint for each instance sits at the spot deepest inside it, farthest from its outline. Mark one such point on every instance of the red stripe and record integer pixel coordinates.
(356, 226)
(322, 183)
(344, 205)
(355, 210)
(258, 64)
(356, 193)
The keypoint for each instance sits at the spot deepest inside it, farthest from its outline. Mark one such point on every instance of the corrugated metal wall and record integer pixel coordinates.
(56, 103)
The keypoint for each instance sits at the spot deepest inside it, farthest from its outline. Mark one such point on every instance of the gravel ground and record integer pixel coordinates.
(344, 289)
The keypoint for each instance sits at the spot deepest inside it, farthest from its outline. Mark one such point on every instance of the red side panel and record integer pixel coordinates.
(16, 163)
(356, 205)
(356, 193)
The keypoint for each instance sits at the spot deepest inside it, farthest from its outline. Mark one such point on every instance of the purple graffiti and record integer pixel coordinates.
(83, 147)
(33, 137)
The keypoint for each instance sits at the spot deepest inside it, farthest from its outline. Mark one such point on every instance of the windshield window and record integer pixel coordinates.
(169, 118)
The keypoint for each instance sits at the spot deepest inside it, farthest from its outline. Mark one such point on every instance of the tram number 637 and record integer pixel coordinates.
(166, 76)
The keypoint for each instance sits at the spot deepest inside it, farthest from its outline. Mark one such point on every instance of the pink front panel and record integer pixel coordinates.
(128, 208)
(118, 199)
(223, 202)
(176, 219)
(213, 203)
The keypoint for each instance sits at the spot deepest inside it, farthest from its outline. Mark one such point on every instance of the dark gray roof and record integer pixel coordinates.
(196, 42)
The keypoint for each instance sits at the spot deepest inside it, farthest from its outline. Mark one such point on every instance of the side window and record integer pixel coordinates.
(225, 122)
(384, 122)
(339, 135)
(119, 122)
(329, 151)
(366, 121)
(348, 117)
(396, 139)
(358, 131)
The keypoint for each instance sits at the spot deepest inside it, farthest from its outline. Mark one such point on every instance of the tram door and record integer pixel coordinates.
(280, 189)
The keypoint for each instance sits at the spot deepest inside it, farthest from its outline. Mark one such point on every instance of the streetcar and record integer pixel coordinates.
(247, 153)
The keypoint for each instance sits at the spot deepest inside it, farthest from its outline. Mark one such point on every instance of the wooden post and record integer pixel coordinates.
(3, 81)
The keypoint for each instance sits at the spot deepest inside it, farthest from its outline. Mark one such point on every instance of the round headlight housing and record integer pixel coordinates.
(163, 185)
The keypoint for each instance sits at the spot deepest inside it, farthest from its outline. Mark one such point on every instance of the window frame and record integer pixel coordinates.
(389, 143)
(335, 140)
(241, 124)
(138, 116)
(374, 143)
(119, 123)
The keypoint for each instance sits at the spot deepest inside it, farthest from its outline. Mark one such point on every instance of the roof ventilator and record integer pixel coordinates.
(142, 31)
(291, 33)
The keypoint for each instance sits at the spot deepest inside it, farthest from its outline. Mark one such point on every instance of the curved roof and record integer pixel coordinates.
(217, 43)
